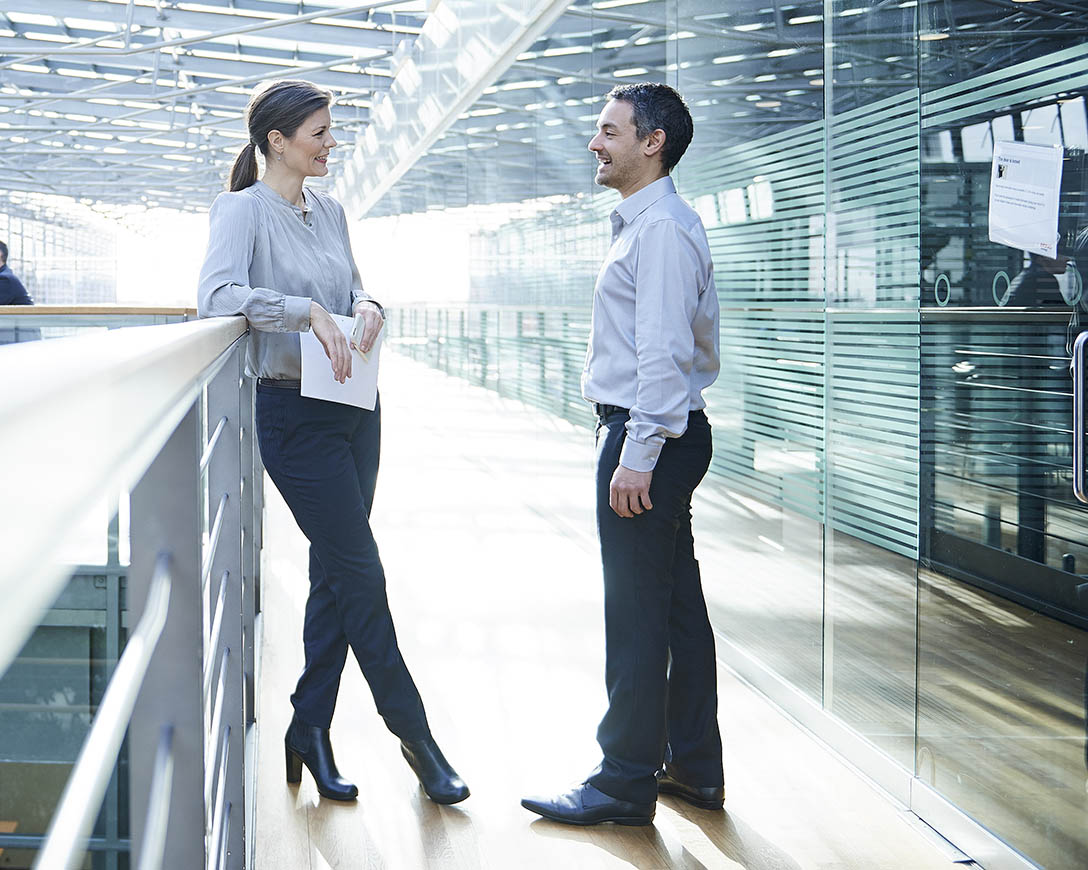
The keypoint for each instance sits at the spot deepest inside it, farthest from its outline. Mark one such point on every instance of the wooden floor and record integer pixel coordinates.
(484, 519)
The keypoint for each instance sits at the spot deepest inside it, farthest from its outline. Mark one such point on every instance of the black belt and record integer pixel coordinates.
(604, 411)
(279, 384)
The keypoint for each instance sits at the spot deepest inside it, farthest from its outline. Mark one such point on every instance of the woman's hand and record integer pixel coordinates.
(332, 339)
(373, 319)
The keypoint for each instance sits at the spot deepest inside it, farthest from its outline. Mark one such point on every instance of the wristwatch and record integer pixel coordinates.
(375, 302)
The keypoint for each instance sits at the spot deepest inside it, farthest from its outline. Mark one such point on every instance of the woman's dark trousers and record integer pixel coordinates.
(323, 458)
(659, 647)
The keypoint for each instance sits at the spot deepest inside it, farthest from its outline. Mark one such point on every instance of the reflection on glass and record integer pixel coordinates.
(871, 535)
(753, 81)
(1001, 727)
(48, 697)
(1002, 614)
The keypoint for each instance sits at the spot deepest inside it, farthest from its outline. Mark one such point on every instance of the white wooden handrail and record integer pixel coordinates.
(80, 417)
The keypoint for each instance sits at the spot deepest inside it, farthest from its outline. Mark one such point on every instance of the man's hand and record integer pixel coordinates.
(373, 319)
(332, 339)
(629, 491)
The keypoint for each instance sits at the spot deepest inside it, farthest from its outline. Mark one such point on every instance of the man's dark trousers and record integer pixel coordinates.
(323, 458)
(660, 663)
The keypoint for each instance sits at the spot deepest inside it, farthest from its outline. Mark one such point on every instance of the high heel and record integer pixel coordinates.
(308, 745)
(439, 780)
(294, 765)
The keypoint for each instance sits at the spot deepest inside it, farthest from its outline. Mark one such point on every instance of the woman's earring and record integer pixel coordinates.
(279, 157)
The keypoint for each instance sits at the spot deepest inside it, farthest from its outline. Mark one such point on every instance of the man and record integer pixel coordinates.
(12, 291)
(653, 350)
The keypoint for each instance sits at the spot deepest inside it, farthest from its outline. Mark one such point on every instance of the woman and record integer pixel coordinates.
(280, 255)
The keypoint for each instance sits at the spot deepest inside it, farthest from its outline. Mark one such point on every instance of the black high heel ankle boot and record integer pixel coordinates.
(439, 780)
(306, 744)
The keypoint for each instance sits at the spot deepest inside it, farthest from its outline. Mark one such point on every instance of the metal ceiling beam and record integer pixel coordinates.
(99, 91)
(154, 122)
(196, 68)
(182, 92)
(287, 51)
(435, 83)
(295, 28)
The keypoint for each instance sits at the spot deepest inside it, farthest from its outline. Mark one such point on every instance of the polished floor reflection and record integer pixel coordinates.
(484, 517)
(1001, 718)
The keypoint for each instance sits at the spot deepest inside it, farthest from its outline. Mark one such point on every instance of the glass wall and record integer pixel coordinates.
(62, 252)
(1002, 612)
(51, 692)
(888, 525)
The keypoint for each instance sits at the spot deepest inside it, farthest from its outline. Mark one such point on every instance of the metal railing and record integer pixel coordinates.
(165, 414)
(20, 323)
(534, 354)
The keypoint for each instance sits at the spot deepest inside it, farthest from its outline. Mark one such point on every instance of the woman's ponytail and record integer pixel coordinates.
(282, 106)
(244, 171)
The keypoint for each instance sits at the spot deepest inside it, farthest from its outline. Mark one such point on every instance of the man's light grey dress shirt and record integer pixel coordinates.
(653, 346)
(267, 258)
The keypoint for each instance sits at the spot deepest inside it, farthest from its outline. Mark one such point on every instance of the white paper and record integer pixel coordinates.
(360, 390)
(1025, 181)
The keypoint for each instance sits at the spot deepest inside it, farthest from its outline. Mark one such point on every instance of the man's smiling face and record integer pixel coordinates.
(620, 159)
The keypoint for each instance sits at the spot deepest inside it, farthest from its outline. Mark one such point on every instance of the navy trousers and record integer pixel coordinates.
(659, 646)
(323, 458)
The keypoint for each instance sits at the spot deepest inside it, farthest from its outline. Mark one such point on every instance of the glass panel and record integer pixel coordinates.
(1002, 611)
(63, 252)
(49, 695)
(30, 324)
(872, 385)
(755, 174)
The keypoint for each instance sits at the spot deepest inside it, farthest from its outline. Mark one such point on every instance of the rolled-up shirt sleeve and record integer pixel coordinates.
(667, 285)
(224, 287)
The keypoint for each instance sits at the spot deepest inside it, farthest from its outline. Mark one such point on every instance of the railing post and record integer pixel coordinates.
(252, 472)
(166, 517)
(258, 505)
(226, 719)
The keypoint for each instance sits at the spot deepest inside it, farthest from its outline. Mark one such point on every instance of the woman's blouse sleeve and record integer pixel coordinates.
(224, 280)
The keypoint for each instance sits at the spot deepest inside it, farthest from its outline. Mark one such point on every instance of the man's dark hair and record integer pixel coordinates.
(658, 107)
(4, 251)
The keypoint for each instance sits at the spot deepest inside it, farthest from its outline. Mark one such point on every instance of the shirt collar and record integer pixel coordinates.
(269, 194)
(637, 203)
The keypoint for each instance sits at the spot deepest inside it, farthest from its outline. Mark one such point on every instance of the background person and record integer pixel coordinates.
(653, 350)
(280, 255)
(12, 291)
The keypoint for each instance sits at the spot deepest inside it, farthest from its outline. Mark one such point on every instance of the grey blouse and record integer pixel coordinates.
(267, 258)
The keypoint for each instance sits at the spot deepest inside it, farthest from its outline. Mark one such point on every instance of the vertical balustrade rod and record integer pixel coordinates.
(258, 498)
(252, 518)
(249, 519)
(165, 515)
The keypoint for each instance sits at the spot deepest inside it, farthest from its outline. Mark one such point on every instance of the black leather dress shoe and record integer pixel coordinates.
(706, 798)
(439, 780)
(306, 744)
(585, 805)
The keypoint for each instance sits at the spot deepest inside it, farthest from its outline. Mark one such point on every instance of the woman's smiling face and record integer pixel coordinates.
(307, 152)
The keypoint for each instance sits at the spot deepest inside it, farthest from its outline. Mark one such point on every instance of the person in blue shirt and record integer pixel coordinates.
(653, 349)
(12, 291)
